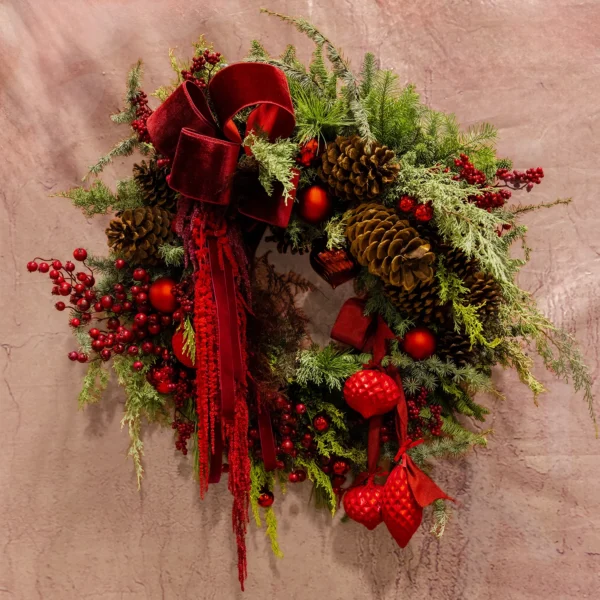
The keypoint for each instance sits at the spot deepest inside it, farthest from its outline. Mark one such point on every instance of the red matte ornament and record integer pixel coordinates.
(363, 503)
(315, 204)
(401, 512)
(419, 343)
(183, 357)
(371, 393)
(161, 295)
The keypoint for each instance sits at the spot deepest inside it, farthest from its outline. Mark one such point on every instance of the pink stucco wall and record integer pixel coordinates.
(73, 526)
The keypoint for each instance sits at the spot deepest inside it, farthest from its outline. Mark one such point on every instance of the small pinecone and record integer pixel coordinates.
(152, 179)
(138, 233)
(420, 304)
(483, 289)
(454, 346)
(355, 170)
(389, 246)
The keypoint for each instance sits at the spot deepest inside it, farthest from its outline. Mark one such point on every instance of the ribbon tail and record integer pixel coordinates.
(424, 489)
(216, 458)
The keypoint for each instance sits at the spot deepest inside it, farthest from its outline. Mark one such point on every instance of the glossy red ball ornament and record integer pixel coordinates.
(315, 204)
(363, 503)
(161, 296)
(419, 343)
(266, 499)
(183, 357)
(371, 393)
(401, 512)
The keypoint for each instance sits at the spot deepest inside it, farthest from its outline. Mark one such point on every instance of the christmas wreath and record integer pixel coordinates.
(207, 338)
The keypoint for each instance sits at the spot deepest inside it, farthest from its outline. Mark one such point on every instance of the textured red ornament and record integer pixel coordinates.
(334, 266)
(177, 343)
(161, 296)
(309, 153)
(371, 392)
(363, 503)
(419, 343)
(315, 204)
(400, 510)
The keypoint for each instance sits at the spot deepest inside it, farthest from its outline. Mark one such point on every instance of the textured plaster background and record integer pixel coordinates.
(73, 526)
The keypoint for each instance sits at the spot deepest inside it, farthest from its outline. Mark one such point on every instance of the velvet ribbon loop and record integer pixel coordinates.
(204, 156)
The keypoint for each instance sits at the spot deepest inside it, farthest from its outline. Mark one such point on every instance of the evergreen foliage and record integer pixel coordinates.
(94, 384)
(329, 366)
(173, 255)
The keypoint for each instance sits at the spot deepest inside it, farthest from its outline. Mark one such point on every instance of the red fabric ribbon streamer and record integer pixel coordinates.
(204, 161)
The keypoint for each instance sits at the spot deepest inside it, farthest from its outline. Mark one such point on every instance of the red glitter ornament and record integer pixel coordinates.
(419, 343)
(315, 204)
(309, 153)
(424, 213)
(406, 204)
(363, 503)
(371, 392)
(401, 512)
(320, 423)
(161, 295)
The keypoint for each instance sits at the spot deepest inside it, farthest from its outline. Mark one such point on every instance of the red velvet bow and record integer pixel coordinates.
(204, 156)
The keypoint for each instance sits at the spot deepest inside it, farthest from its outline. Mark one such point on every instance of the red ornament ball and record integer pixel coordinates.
(161, 295)
(419, 343)
(177, 343)
(315, 204)
(362, 504)
(266, 499)
(371, 393)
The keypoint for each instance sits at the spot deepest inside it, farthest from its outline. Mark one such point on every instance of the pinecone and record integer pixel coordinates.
(152, 180)
(138, 233)
(389, 246)
(484, 290)
(420, 304)
(355, 170)
(456, 347)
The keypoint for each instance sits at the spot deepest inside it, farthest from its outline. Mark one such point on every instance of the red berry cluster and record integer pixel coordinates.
(184, 389)
(468, 172)
(109, 336)
(417, 423)
(421, 212)
(337, 469)
(490, 200)
(198, 71)
(184, 430)
(184, 294)
(519, 179)
(142, 112)
(309, 153)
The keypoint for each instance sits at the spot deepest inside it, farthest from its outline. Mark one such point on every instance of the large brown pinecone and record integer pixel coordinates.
(152, 180)
(357, 170)
(420, 304)
(138, 233)
(389, 246)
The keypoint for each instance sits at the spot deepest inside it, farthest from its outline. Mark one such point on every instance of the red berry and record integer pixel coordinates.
(73, 356)
(140, 319)
(424, 213)
(133, 350)
(82, 357)
(44, 268)
(56, 264)
(154, 329)
(75, 322)
(118, 348)
(301, 475)
(60, 306)
(112, 323)
(120, 264)
(107, 302)
(287, 446)
(69, 266)
(300, 408)
(105, 354)
(266, 499)
(138, 365)
(98, 307)
(139, 274)
(147, 347)
(406, 204)
(293, 477)
(83, 304)
(32, 266)
(141, 298)
(320, 423)
(79, 254)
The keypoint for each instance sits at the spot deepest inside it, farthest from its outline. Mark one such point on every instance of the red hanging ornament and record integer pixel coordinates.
(315, 204)
(266, 499)
(419, 343)
(401, 512)
(363, 503)
(371, 392)
(177, 343)
(161, 295)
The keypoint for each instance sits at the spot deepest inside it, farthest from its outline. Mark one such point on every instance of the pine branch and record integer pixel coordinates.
(368, 73)
(441, 516)
(134, 77)
(328, 366)
(525, 208)
(340, 66)
(94, 383)
(122, 148)
(96, 200)
(172, 255)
